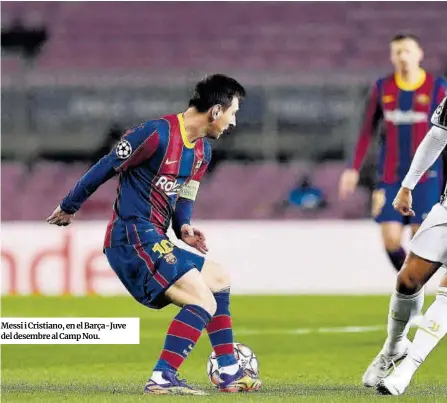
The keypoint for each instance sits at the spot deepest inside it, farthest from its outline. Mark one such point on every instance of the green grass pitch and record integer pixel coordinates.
(320, 366)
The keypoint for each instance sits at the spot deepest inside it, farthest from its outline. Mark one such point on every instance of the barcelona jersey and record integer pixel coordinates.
(404, 114)
(159, 172)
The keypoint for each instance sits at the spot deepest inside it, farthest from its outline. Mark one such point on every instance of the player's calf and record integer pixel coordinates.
(198, 307)
(406, 302)
(392, 238)
(432, 329)
(220, 328)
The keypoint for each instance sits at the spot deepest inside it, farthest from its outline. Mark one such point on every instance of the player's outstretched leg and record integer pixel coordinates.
(432, 329)
(220, 331)
(406, 302)
(198, 306)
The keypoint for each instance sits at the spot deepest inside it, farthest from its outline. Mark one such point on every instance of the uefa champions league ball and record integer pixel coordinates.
(244, 355)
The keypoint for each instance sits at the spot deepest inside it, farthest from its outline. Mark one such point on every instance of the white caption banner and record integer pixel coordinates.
(69, 330)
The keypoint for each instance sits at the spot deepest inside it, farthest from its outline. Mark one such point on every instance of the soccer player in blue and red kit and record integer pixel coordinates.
(160, 164)
(402, 103)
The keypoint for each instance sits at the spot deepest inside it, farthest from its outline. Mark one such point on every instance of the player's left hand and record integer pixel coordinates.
(403, 202)
(60, 217)
(194, 237)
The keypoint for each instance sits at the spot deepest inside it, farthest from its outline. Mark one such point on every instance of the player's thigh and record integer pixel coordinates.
(425, 196)
(430, 241)
(414, 229)
(216, 276)
(131, 271)
(392, 234)
(192, 289)
(415, 273)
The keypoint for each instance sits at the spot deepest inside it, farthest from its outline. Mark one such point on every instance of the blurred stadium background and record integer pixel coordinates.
(76, 74)
(87, 70)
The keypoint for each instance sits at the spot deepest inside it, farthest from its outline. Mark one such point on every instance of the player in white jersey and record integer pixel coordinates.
(428, 252)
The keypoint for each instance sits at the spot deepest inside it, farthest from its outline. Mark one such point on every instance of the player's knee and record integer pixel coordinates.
(203, 297)
(208, 302)
(392, 236)
(392, 243)
(222, 278)
(408, 281)
(216, 276)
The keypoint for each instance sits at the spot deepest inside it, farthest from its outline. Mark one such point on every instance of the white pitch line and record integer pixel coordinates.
(294, 332)
(304, 331)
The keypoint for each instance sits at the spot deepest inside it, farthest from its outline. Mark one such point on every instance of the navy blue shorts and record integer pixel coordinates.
(148, 270)
(425, 196)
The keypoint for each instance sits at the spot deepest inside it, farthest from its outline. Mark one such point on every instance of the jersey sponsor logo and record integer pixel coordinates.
(423, 99)
(399, 117)
(168, 162)
(386, 99)
(170, 187)
(123, 149)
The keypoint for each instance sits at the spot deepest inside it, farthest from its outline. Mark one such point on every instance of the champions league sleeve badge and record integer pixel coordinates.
(123, 149)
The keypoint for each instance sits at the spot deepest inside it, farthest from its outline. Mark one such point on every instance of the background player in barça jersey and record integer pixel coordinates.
(403, 102)
(160, 164)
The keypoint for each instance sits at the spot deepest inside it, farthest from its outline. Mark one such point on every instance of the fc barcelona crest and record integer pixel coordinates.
(170, 258)
(423, 99)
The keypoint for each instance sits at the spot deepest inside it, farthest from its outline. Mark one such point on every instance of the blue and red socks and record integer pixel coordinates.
(220, 331)
(397, 258)
(181, 338)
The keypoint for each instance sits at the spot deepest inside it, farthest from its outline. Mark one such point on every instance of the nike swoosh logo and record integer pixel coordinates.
(170, 162)
(148, 230)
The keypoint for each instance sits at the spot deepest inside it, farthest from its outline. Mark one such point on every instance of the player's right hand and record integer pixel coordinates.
(60, 217)
(348, 183)
(403, 202)
(194, 237)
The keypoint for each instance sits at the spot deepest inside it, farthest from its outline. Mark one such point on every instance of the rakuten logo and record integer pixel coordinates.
(399, 117)
(168, 186)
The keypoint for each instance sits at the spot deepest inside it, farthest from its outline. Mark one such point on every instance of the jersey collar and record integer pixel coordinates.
(181, 122)
(402, 85)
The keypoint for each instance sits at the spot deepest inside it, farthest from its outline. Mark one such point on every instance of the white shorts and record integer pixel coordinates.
(430, 241)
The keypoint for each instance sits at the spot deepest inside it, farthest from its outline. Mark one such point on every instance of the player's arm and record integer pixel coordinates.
(136, 146)
(371, 119)
(427, 153)
(181, 219)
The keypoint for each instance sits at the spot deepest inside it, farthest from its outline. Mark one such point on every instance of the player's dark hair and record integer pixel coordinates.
(405, 35)
(214, 90)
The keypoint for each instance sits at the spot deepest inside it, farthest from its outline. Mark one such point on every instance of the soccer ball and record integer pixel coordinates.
(244, 355)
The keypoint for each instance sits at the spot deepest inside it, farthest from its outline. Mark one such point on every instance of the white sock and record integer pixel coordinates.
(158, 378)
(402, 309)
(431, 330)
(229, 369)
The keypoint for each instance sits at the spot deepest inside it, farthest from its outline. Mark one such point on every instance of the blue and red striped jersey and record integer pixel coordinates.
(154, 161)
(405, 113)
